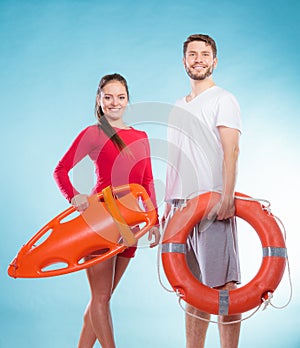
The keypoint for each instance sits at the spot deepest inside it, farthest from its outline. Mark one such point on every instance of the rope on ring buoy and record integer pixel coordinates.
(266, 299)
(158, 270)
(218, 322)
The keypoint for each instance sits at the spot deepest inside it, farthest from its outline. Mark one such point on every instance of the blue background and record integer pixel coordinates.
(53, 54)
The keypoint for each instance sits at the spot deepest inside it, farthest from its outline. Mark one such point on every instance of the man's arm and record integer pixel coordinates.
(230, 145)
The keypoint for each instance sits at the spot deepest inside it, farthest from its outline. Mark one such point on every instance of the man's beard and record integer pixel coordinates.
(199, 76)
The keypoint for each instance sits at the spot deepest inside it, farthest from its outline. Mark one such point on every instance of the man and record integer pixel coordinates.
(203, 138)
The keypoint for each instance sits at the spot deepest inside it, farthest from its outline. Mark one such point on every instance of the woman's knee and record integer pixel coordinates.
(101, 299)
(86, 315)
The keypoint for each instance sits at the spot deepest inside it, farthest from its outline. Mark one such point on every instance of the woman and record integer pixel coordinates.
(121, 155)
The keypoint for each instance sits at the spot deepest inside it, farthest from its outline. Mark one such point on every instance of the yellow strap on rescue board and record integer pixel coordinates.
(110, 203)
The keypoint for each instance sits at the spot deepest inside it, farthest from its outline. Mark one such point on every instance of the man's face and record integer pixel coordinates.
(199, 62)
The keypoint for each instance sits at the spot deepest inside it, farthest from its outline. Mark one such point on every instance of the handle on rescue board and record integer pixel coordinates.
(149, 213)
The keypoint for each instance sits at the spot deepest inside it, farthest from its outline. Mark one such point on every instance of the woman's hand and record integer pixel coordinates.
(80, 202)
(154, 231)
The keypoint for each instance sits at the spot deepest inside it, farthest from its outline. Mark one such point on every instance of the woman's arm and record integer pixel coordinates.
(149, 186)
(77, 151)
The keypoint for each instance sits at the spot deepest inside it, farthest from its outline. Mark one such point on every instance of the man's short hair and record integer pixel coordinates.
(201, 37)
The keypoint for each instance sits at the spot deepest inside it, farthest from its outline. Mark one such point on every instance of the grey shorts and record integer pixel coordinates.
(212, 252)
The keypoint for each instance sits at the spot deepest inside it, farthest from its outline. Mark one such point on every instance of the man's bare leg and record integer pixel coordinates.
(195, 328)
(229, 334)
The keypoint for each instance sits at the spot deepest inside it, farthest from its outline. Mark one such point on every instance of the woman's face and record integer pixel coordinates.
(113, 100)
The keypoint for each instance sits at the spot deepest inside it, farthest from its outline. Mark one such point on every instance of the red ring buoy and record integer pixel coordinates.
(223, 302)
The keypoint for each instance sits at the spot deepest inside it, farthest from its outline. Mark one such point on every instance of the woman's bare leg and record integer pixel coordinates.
(103, 279)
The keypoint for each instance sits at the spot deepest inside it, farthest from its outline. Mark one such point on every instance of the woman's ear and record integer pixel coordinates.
(98, 99)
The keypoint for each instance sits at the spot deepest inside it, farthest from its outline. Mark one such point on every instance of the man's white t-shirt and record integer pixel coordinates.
(195, 153)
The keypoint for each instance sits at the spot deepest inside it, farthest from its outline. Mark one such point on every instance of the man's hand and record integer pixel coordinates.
(223, 210)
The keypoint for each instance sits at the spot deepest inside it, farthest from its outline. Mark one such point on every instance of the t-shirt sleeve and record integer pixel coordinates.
(228, 112)
(77, 151)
